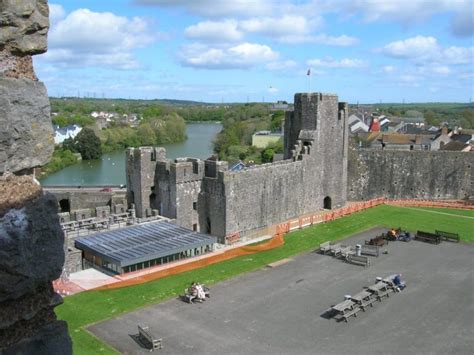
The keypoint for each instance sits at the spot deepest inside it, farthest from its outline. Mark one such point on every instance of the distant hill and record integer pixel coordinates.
(166, 102)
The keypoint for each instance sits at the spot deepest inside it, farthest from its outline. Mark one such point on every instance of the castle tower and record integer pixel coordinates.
(317, 130)
(140, 174)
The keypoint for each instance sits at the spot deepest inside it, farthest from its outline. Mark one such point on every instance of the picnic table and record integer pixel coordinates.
(335, 249)
(346, 309)
(345, 251)
(380, 289)
(364, 299)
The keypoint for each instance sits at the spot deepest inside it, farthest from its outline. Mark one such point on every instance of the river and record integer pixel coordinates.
(110, 169)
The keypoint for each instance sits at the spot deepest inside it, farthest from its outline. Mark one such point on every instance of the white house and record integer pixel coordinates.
(60, 134)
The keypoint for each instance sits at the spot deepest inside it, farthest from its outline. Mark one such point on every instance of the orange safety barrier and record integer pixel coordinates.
(273, 243)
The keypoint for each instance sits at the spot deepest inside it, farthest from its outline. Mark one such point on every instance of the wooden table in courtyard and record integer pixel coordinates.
(380, 289)
(346, 309)
(364, 299)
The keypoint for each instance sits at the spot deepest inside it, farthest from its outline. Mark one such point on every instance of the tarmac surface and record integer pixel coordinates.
(282, 310)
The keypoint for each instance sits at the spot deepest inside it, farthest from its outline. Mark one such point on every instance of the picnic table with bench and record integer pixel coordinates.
(358, 260)
(346, 309)
(428, 237)
(145, 334)
(452, 237)
(324, 247)
(380, 289)
(364, 299)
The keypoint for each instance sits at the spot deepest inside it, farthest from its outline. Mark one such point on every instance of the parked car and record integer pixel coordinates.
(106, 189)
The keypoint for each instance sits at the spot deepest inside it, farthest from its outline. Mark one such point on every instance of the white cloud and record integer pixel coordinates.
(293, 29)
(427, 50)
(214, 8)
(56, 13)
(244, 55)
(272, 90)
(282, 65)
(87, 38)
(334, 63)
(408, 12)
(389, 69)
(340, 41)
(418, 46)
(441, 69)
(277, 27)
(214, 31)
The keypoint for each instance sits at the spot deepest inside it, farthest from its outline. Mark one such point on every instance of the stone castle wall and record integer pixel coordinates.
(206, 197)
(31, 239)
(410, 174)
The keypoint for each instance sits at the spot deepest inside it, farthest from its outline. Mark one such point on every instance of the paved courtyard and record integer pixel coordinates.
(281, 310)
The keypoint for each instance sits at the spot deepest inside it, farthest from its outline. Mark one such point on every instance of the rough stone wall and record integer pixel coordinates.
(140, 172)
(31, 240)
(26, 133)
(410, 174)
(81, 199)
(178, 185)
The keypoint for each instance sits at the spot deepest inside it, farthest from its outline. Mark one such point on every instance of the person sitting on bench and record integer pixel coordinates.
(399, 284)
(201, 295)
(392, 234)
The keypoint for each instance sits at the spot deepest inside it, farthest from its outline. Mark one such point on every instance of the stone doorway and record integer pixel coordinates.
(327, 203)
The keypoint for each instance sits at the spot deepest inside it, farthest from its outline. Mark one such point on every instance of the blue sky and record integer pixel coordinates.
(366, 51)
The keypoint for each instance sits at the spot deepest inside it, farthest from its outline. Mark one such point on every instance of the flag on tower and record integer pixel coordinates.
(308, 72)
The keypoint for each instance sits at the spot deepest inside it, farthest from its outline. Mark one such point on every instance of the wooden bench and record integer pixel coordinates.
(358, 260)
(372, 250)
(324, 247)
(379, 241)
(336, 249)
(145, 334)
(452, 237)
(428, 237)
(190, 297)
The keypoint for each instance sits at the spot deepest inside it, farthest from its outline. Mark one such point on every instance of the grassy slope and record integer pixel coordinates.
(90, 307)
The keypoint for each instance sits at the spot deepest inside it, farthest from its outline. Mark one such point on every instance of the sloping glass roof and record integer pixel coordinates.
(143, 242)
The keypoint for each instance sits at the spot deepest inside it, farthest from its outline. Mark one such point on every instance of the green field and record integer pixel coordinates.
(90, 307)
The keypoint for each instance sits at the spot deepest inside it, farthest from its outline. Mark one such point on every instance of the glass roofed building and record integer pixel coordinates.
(142, 246)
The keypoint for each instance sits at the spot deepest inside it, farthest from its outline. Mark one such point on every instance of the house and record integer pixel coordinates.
(62, 133)
(356, 125)
(395, 141)
(442, 137)
(456, 146)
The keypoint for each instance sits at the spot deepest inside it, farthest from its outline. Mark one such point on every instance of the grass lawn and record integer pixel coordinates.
(90, 307)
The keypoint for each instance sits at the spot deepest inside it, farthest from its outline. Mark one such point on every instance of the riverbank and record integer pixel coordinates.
(110, 169)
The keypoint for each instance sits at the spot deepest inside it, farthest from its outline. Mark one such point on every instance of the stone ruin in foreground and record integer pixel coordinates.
(31, 240)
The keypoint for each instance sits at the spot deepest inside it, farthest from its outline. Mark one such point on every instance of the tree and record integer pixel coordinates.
(267, 155)
(88, 144)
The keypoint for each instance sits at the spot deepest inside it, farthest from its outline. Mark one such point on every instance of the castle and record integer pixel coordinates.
(319, 172)
(206, 197)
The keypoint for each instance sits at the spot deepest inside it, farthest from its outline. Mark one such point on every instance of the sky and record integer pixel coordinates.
(366, 51)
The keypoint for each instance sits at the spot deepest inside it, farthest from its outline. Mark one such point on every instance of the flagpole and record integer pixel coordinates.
(309, 85)
(308, 73)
